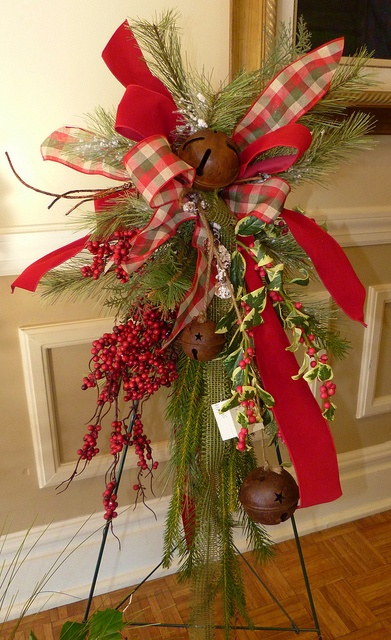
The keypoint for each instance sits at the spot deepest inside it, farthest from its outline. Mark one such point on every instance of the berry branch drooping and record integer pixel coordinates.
(128, 362)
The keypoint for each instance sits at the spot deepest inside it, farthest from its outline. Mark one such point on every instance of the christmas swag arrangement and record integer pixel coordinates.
(206, 271)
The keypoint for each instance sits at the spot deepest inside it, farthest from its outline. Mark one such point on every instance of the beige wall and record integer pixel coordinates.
(57, 75)
(52, 75)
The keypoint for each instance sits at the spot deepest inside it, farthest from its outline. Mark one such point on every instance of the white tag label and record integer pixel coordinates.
(227, 423)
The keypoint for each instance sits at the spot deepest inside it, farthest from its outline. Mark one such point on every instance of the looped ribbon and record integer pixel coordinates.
(163, 180)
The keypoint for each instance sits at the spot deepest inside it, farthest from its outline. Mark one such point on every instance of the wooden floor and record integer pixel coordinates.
(349, 569)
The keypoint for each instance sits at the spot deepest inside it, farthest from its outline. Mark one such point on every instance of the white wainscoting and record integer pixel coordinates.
(22, 247)
(350, 227)
(365, 478)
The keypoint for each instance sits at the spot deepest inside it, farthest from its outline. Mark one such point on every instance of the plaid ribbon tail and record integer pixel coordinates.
(162, 226)
(264, 200)
(30, 277)
(62, 146)
(201, 291)
(303, 428)
(330, 262)
(291, 93)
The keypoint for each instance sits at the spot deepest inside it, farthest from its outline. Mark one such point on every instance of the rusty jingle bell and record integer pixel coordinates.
(200, 342)
(214, 156)
(269, 496)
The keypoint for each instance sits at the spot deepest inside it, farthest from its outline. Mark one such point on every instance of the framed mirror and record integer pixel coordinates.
(254, 22)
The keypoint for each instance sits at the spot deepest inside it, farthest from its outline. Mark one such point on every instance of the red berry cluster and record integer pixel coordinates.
(114, 250)
(247, 357)
(89, 448)
(248, 405)
(110, 500)
(313, 351)
(142, 446)
(275, 296)
(118, 437)
(242, 439)
(121, 436)
(132, 356)
(326, 391)
(262, 270)
(129, 359)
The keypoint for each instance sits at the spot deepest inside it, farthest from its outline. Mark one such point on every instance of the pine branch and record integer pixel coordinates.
(106, 143)
(184, 410)
(330, 147)
(68, 282)
(161, 42)
(127, 212)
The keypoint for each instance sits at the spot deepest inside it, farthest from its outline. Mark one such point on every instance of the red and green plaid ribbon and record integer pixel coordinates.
(265, 200)
(156, 172)
(62, 146)
(291, 93)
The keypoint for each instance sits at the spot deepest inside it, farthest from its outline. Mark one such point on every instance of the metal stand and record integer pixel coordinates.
(293, 627)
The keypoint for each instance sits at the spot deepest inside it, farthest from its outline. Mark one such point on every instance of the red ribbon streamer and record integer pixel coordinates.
(31, 276)
(330, 262)
(304, 430)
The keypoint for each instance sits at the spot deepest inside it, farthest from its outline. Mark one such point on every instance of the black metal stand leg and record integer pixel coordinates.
(109, 522)
(301, 558)
(294, 628)
(305, 575)
(271, 594)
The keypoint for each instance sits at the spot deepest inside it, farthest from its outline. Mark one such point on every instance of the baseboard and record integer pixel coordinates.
(365, 478)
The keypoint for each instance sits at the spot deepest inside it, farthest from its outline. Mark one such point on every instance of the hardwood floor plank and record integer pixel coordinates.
(340, 610)
(374, 588)
(353, 553)
(376, 632)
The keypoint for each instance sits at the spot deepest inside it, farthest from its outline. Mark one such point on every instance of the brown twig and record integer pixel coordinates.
(75, 194)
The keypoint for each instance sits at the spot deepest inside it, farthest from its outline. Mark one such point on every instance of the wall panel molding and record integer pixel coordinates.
(368, 404)
(36, 343)
(18, 249)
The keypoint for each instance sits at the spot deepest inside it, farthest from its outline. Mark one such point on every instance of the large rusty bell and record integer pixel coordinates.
(269, 496)
(214, 156)
(200, 342)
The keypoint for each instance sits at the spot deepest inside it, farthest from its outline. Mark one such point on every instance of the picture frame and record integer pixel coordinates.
(255, 22)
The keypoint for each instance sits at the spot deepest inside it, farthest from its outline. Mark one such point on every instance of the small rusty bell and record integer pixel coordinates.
(269, 496)
(200, 342)
(214, 156)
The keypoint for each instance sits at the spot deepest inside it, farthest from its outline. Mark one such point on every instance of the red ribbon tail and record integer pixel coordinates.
(303, 428)
(330, 262)
(31, 276)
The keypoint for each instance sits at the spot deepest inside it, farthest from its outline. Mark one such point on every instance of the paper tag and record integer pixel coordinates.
(226, 421)
(228, 426)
